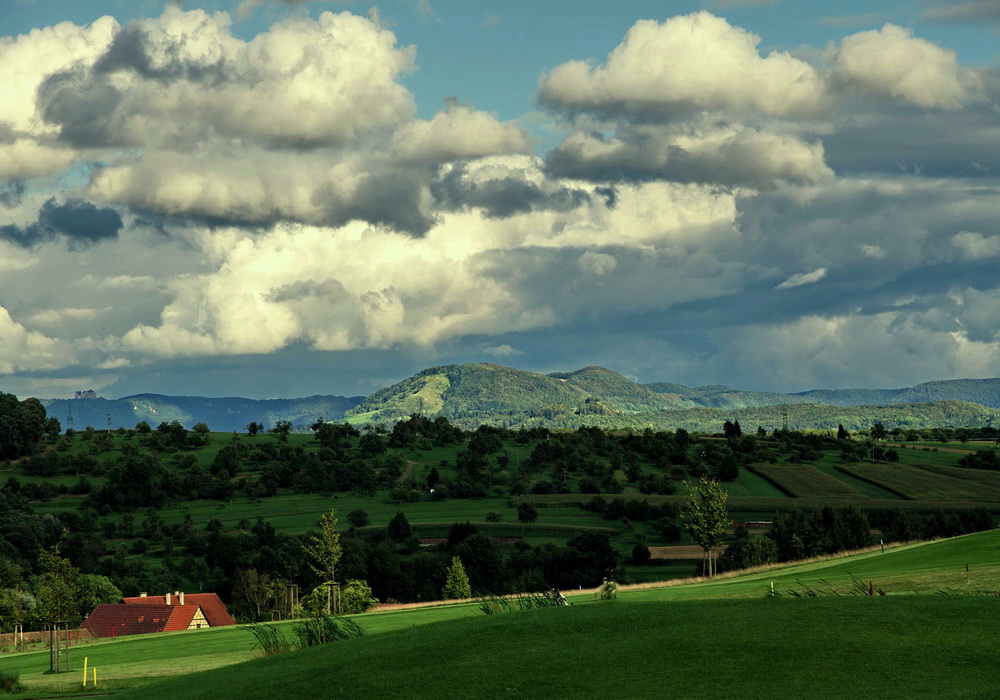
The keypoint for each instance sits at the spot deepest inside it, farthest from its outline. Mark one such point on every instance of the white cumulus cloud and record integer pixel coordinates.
(691, 62)
(891, 63)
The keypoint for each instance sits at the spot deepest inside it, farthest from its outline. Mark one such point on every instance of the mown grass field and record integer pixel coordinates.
(858, 647)
(721, 638)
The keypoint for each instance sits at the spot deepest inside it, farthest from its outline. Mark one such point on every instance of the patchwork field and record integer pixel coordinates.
(805, 481)
(920, 483)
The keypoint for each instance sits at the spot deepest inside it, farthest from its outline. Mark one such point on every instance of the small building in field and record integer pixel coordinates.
(167, 613)
(211, 605)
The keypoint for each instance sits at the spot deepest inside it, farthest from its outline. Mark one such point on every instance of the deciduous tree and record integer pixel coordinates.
(324, 551)
(706, 517)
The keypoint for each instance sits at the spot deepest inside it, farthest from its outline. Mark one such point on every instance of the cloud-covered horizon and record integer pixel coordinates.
(175, 193)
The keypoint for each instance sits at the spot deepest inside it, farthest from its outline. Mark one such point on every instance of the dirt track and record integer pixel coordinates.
(682, 551)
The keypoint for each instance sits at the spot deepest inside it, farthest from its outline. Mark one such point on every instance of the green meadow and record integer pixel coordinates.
(816, 635)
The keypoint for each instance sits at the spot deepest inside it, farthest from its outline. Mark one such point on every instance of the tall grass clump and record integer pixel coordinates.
(490, 603)
(10, 682)
(270, 640)
(323, 629)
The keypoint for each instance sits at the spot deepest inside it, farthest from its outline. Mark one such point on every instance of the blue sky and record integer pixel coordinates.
(277, 198)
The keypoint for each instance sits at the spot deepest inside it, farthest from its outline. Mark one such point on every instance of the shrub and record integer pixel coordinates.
(358, 517)
(10, 682)
(640, 554)
(750, 551)
(981, 459)
(399, 528)
(357, 597)
(527, 513)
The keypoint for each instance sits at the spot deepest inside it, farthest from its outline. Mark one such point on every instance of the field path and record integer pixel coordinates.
(682, 551)
(406, 472)
(939, 449)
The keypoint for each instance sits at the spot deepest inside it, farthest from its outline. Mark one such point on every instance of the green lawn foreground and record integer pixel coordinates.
(764, 648)
(578, 648)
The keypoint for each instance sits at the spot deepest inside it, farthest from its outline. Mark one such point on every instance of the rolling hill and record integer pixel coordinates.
(473, 394)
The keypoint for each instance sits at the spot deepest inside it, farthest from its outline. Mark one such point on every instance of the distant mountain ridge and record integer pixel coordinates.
(981, 391)
(473, 394)
(220, 414)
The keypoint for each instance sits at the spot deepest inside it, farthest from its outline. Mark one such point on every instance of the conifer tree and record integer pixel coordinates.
(457, 584)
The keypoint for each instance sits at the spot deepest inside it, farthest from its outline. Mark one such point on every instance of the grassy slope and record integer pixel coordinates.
(567, 652)
(856, 648)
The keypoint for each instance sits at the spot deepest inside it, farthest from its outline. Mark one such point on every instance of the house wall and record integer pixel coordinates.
(198, 621)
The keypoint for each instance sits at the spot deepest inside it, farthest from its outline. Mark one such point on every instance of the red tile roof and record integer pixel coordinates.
(210, 603)
(110, 620)
(180, 618)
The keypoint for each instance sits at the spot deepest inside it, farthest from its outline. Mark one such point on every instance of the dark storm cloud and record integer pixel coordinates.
(503, 197)
(905, 139)
(80, 222)
(86, 106)
(12, 191)
(7, 133)
(713, 152)
(81, 106)
(129, 51)
(391, 199)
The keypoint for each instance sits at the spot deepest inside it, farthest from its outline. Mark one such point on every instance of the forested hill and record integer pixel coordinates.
(473, 394)
(220, 414)
(982, 391)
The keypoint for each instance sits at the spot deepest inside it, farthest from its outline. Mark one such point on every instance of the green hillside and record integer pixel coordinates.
(982, 391)
(719, 396)
(472, 394)
(955, 414)
(819, 635)
(616, 391)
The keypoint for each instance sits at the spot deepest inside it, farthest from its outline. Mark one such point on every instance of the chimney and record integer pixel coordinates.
(168, 598)
(181, 596)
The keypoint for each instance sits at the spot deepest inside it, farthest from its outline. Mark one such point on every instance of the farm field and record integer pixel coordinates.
(235, 504)
(915, 483)
(804, 480)
(882, 647)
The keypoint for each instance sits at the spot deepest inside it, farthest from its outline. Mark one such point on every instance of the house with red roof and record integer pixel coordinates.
(167, 613)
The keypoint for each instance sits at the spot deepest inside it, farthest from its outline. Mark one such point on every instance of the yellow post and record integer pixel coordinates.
(95, 676)
(85, 671)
